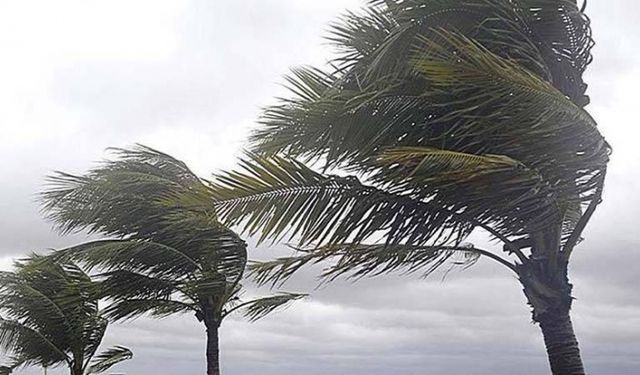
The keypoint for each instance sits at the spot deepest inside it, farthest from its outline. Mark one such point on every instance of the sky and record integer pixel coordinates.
(189, 78)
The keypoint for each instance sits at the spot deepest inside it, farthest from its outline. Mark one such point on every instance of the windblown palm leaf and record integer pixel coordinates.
(279, 196)
(259, 308)
(360, 260)
(106, 360)
(50, 317)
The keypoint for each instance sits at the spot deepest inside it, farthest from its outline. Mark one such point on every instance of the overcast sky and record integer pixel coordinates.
(189, 78)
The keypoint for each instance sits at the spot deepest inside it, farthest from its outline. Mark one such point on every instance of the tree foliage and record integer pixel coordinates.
(49, 316)
(438, 117)
(166, 252)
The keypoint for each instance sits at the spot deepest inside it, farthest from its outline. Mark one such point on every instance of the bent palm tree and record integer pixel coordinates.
(451, 116)
(51, 318)
(168, 253)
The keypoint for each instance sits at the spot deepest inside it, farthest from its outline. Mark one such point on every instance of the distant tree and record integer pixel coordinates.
(440, 117)
(167, 253)
(49, 317)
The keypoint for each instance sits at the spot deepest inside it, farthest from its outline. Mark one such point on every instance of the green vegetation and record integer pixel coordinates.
(447, 117)
(50, 317)
(166, 252)
(437, 119)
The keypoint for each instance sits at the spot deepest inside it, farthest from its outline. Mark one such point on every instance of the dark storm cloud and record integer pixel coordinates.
(189, 78)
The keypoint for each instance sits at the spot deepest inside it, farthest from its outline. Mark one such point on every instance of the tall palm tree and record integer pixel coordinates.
(438, 118)
(50, 317)
(166, 251)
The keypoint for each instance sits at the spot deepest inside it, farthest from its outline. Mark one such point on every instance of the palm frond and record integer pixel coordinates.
(131, 308)
(357, 36)
(123, 196)
(124, 284)
(21, 300)
(454, 60)
(18, 338)
(494, 185)
(261, 307)
(368, 260)
(132, 255)
(109, 358)
(93, 333)
(280, 197)
(502, 104)
(564, 33)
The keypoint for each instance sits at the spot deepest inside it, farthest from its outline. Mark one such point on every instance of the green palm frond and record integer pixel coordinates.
(127, 284)
(261, 307)
(141, 180)
(502, 103)
(502, 187)
(131, 308)
(22, 300)
(281, 197)
(564, 33)
(455, 61)
(415, 159)
(19, 338)
(108, 359)
(131, 254)
(368, 260)
(93, 333)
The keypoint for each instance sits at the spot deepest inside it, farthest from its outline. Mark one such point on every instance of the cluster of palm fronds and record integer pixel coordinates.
(437, 118)
(165, 253)
(448, 116)
(50, 317)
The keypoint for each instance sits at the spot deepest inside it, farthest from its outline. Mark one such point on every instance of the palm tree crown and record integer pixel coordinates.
(50, 317)
(449, 116)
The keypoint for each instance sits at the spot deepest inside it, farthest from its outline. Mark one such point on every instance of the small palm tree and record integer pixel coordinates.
(166, 252)
(450, 116)
(50, 317)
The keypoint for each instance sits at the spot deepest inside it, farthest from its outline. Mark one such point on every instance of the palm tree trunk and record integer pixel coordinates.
(76, 369)
(562, 345)
(213, 350)
(549, 294)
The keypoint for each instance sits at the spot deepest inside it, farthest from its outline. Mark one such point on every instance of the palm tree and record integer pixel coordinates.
(438, 118)
(50, 317)
(166, 253)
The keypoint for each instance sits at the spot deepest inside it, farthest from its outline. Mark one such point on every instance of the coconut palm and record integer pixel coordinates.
(166, 253)
(438, 118)
(49, 317)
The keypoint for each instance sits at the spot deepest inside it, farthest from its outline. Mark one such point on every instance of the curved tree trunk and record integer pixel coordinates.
(213, 350)
(562, 345)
